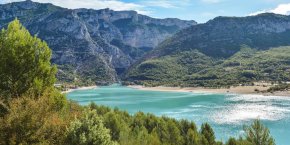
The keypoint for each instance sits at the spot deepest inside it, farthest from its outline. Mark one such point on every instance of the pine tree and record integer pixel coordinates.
(25, 66)
(208, 134)
(258, 134)
(232, 141)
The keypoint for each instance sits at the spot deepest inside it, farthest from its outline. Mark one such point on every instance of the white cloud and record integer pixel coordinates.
(166, 3)
(93, 4)
(283, 9)
(162, 3)
(211, 1)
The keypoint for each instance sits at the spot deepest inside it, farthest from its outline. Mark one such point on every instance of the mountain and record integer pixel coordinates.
(91, 45)
(222, 52)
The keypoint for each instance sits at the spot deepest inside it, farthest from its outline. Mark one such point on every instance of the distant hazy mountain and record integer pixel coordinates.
(92, 45)
(223, 51)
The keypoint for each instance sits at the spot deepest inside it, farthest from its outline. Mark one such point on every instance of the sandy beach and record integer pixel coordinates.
(232, 90)
(79, 88)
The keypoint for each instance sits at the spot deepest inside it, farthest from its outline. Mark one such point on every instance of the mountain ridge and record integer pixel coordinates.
(106, 40)
(208, 46)
(219, 30)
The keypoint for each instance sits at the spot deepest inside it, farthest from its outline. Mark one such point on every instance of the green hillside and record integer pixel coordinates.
(192, 68)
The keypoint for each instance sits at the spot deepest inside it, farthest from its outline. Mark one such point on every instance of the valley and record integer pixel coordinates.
(118, 72)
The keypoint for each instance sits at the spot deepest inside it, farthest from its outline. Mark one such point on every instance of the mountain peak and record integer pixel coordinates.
(27, 4)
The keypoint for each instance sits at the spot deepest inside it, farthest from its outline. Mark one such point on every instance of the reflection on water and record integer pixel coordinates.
(226, 113)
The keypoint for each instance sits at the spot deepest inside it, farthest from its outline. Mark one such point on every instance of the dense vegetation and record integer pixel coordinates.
(39, 121)
(279, 87)
(192, 68)
(40, 114)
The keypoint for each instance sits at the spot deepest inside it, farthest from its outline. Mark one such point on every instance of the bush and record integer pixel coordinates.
(280, 87)
(88, 130)
(30, 121)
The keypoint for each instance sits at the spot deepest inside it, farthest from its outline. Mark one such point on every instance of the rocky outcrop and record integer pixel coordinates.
(85, 38)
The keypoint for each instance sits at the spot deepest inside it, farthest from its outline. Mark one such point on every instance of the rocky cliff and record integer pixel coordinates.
(92, 45)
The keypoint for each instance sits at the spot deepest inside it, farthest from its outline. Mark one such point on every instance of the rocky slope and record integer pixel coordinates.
(92, 45)
(223, 36)
(206, 54)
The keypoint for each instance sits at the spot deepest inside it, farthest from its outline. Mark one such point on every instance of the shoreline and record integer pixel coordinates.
(79, 88)
(246, 90)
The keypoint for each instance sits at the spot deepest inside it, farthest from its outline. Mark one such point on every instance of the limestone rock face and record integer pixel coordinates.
(92, 44)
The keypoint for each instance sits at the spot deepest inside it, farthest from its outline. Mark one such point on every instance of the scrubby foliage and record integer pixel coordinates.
(279, 87)
(34, 121)
(88, 130)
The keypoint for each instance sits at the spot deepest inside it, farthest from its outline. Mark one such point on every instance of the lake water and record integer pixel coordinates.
(226, 113)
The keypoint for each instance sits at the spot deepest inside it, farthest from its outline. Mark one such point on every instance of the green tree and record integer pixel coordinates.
(113, 122)
(258, 134)
(174, 133)
(25, 66)
(232, 141)
(88, 130)
(208, 137)
(240, 141)
(192, 137)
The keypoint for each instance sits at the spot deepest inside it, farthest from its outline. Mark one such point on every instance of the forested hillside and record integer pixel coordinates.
(192, 68)
(222, 52)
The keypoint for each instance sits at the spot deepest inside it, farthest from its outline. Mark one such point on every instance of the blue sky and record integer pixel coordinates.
(199, 10)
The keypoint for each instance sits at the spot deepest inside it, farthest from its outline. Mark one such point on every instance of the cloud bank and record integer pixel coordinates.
(283, 9)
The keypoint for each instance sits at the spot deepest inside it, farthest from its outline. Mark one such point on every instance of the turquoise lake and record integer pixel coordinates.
(227, 113)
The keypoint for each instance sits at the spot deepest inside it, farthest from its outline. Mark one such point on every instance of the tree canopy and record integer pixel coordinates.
(89, 130)
(25, 66)
(258, 134)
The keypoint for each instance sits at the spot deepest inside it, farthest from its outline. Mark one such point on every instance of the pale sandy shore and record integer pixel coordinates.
(232, 90)
(79, 88)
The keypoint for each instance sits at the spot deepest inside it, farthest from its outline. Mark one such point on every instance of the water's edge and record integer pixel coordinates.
(227, 113)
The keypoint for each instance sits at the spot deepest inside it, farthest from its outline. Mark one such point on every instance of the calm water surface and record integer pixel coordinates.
(226, 113)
